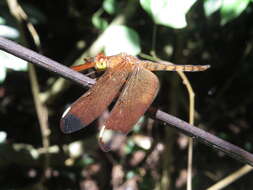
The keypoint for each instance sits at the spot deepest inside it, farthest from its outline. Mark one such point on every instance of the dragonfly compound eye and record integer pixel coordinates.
(101, 64)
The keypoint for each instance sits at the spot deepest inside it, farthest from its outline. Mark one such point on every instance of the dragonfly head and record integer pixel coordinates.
(101, 62)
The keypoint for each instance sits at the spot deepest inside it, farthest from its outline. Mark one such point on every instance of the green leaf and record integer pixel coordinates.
(210, 6)
(248, 146)
(2, 20)
(168, 12)
(231, 9)
(146, 5)
(99, 22)
(130, 174)
(137, 126)
(83, 161)
(120, 38)
(129, 148)
(110, 6)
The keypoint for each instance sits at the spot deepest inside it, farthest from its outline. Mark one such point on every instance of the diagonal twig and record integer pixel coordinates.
(231, 178)
(186, 128)
(44, 62)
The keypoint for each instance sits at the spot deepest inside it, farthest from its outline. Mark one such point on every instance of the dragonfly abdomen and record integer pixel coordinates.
(152, 66)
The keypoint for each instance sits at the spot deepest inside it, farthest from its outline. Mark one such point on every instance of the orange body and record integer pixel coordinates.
(126, 74)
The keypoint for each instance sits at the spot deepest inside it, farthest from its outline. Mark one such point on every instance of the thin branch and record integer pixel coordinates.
(44, 62)
(191, 96)
(186, 128)
(205, 137)
(231, 178)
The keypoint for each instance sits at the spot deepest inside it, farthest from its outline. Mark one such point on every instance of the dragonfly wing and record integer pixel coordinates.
(137, 95)
(92, 104)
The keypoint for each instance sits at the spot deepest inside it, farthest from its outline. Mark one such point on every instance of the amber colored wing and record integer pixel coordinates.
(135, 98)
(92, 104)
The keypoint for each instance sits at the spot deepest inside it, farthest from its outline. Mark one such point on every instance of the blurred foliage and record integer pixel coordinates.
(168, 12)
(215, 32)
(128, 38)
(110, 6)
(98, 22)
(229, 9)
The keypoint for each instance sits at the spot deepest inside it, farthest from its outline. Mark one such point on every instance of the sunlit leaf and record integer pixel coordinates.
(75, 149)
(210, 6)
(168, 12)
(3, 136)
(231, 9)
(11, 62)
(2, 73)
(119, 38)
(110, 6)
(145, 142)
(8, 32)
(146, 5)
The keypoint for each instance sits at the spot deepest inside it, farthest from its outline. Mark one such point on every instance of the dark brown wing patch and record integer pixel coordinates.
(92, 104)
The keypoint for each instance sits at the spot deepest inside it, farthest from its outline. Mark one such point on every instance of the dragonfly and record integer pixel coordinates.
(127, 78)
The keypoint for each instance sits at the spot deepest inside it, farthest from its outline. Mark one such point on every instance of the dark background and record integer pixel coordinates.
(223, 96)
